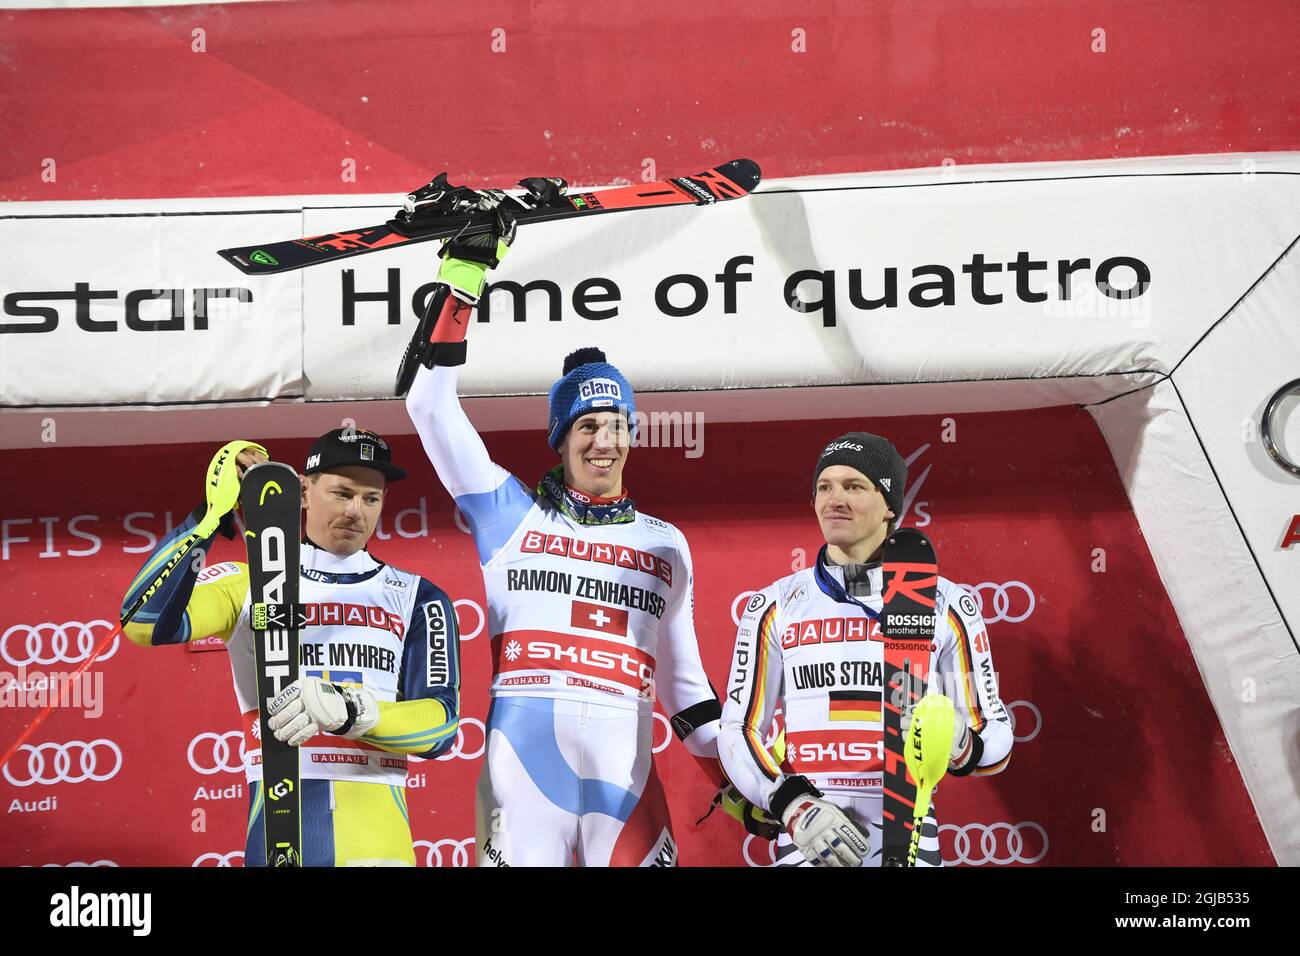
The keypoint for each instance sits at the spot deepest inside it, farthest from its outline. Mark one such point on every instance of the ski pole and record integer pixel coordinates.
(174, 562)
(217, 494)
(45, 711)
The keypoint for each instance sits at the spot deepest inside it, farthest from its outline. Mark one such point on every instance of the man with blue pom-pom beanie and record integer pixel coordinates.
(589, 601)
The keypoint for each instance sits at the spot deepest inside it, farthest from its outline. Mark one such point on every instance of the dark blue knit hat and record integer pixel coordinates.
(589, 384)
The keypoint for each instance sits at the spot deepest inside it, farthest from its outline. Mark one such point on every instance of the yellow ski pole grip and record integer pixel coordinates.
(927, 750)
(221, 484)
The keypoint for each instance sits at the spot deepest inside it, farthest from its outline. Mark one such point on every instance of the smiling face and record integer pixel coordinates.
(852, 513)
(594, 452)
(342, 507)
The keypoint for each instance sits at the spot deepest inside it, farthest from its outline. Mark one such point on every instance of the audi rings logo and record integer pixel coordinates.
(220, 859)
(976, 844)
(24, 645)
(1013, 602)
(1268, 421)
(770, 853)
(446, 852)
(465, 633)
(662, 721)
(741, 598)
(75, 761)
(77, 863)
(1016, 726)
(211, 753)
(460, 748)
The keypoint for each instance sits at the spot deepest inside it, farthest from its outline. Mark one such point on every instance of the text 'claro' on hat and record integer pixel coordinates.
(588, 384)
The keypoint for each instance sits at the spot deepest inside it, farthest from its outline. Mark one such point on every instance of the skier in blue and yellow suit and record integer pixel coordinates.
(379, 656)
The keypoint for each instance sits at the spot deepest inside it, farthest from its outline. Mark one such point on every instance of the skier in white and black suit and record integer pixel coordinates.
(810, 643)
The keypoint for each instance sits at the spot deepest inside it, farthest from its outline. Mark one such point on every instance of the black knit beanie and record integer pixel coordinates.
(875, 457)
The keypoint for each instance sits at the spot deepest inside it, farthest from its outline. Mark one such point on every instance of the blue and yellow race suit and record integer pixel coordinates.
(370, 624)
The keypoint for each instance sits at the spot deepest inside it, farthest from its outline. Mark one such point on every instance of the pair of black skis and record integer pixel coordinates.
(452, 212)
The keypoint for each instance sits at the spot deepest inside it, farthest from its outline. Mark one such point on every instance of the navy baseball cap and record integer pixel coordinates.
(352, 446)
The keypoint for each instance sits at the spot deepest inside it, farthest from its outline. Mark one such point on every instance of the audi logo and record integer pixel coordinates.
(662, 721)
(220, 859)
(459, 852)
(1038, 720)
(478, 628)
(75, 863)
(749, 860)
(458, 749)
(1002, 600)
(75, 761)
(1001, 844)
(741, 598)
(46, 644)
(211, 753)
(1268, 420)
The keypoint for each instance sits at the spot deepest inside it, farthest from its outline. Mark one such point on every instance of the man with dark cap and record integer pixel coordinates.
(589, 602)
(810, 643)
(379, 654)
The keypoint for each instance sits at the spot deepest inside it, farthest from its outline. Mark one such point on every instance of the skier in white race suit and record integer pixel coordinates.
(810, 644)
(590, 606)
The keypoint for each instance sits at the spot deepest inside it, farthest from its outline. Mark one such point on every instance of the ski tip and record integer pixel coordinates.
(742, 172)
(909, 536)
(238, 260)
(251, 261)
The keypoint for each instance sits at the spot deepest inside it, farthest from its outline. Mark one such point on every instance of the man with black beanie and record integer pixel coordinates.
(810, 644)
(871, 475)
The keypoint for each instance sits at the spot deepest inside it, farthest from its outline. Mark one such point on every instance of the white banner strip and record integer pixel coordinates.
(1109, 271)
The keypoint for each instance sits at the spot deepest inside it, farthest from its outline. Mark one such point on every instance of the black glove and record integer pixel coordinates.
(736, 806)
(485, 247)
(439, 339)
(226, 527)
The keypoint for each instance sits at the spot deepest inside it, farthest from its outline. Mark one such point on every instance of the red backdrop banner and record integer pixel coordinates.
(370, 96)
(1119, 757)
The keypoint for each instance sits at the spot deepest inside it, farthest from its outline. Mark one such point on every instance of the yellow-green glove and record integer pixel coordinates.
(439, 338)
(466, 260)
(754, 819)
